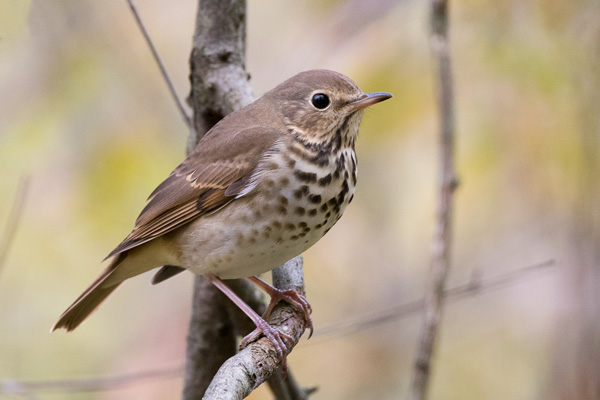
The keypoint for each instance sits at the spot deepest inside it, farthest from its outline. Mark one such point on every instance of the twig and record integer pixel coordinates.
(474, 287)
(252, 366)
(14, 218)
(442, 240)
(25, 388)
(186, 118)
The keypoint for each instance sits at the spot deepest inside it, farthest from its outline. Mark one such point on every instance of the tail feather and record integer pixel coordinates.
(89, 300)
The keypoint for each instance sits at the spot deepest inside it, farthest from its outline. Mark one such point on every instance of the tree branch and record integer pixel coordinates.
(475, 286)
(30, 388)
(219, 86)
(14, 217)
(252, 366)
(441, 258)
(161, 66)
(283, 390)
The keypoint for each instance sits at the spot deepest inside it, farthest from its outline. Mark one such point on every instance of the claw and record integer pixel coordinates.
(291, 296)
(276, 337)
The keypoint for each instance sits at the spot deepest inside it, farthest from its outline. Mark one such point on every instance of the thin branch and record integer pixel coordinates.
(14, 218)
(476, 286)
(25, 388)
(252, 366)
(186, 118)
(442, 240)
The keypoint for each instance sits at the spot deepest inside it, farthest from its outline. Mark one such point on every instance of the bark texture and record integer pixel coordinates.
(219, 86)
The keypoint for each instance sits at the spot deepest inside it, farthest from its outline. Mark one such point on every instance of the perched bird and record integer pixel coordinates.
(262, 186)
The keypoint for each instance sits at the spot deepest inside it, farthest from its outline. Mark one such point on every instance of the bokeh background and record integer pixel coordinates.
(85, 115)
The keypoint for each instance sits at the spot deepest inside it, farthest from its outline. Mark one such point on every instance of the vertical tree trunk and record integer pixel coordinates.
(219, 85)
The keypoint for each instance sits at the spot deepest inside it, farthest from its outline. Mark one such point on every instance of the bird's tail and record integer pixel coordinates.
(89, 300)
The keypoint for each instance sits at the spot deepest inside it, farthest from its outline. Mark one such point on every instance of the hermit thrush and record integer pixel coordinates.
(262, 186)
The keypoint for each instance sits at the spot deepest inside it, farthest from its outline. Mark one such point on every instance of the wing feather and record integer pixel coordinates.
(217, 171)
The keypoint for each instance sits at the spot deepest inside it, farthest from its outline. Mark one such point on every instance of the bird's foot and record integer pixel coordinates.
(291, 296)
(276, 337)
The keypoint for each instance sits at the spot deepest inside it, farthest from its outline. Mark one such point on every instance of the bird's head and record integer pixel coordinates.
(322, 105)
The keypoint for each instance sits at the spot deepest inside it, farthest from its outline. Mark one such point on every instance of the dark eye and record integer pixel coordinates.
(320, 101)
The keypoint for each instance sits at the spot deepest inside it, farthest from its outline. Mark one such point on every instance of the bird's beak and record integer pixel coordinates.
(368, 99)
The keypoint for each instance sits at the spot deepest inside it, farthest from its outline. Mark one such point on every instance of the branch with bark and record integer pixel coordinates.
(441, 256)
(219, 86)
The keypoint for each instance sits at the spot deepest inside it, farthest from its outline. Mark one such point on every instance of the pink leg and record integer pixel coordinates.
(291, 296)
(272, 334)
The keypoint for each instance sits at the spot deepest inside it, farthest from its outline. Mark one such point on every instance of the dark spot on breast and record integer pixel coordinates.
(289, 226)
(284, 181)
(351, 198)
(322, 158)
(318, 226)
(304, 176)
(252, 240)
(276, 224)
(343, 192)
(302, 190)
(314, 198)
(269, 182)
(324, 207)
(326, 180)
(239, 239)
(282, 210)
(302, 225)
(312, 212)
(291, 163)
(273, 165)
(300, 211)
(328, 214)
(283, 200)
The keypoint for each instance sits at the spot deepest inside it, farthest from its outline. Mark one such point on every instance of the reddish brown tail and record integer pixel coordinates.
(89, 300)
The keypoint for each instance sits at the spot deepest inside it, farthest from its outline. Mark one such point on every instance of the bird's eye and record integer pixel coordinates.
(320, 101)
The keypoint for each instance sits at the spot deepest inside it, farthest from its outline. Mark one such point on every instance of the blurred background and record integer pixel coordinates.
(86, 119)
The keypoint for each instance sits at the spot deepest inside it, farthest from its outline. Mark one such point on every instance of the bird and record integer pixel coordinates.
(263, 185)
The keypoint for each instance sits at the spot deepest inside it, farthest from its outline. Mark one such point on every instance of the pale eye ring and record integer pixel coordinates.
(320, 101)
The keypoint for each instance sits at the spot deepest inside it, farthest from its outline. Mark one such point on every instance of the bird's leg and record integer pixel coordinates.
(276, 337)
(291, 296)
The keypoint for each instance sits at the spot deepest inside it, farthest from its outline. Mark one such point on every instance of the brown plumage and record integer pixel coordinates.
(262, 186)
